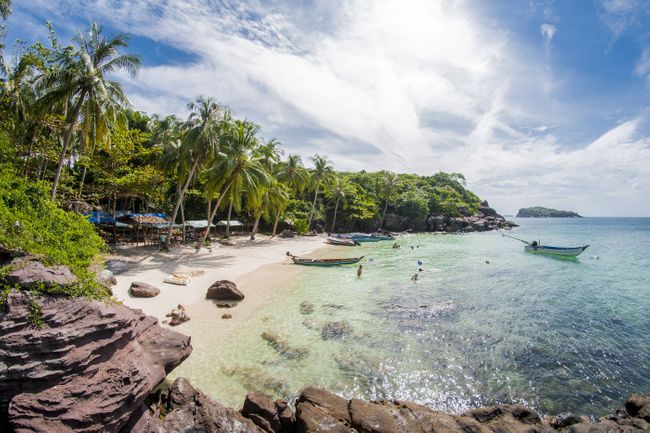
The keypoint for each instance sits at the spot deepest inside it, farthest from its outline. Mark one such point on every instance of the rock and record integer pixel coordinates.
(189, 410)
(224, 290)
(306, 307)
(87, 369)
(178, 316)
(486, 210)
(225, 304)
(566, 419)
(226, 316)
(335, 330)
(262, 411)
(286, 234)
(285, 414)
(638, 406)
(139, 289)
(106, 278)
(283, 348)
(28, 272)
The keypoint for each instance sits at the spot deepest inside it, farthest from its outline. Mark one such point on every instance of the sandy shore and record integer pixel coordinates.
(255, 266)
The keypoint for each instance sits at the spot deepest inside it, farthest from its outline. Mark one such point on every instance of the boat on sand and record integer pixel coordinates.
(342, 241)
(326, 262)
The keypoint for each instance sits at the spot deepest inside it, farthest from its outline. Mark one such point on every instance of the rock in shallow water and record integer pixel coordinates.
(86, 369)
(335, 330)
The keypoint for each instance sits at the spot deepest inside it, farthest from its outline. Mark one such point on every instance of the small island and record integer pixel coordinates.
(544, 212)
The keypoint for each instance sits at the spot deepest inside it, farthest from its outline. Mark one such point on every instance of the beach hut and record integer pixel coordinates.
(196, 227)
(234, 224)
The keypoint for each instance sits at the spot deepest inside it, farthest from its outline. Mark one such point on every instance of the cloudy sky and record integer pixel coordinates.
(536, 102)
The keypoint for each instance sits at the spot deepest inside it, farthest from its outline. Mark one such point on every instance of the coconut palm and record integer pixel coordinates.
(319, 174)
(200, 143)
(293, 174)
(338, 190)
(389, 183)
(82, 79)
(270, 203)
(269, 154)
(240, 171)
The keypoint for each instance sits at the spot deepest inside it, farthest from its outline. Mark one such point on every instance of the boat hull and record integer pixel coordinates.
(556, 251)
(326, 262)
(341, 241)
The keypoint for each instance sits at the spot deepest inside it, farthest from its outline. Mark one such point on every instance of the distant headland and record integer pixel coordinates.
(544, 212)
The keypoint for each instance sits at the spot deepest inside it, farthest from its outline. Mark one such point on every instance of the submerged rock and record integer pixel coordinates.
(224, 290)
(306, 307)
(139, 289)
(335, 330)
(282, 347)
(87, 369)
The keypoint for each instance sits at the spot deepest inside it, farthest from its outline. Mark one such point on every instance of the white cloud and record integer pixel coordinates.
(376, 84)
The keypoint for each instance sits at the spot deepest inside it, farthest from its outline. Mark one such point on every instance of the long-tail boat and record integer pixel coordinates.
(326, 262)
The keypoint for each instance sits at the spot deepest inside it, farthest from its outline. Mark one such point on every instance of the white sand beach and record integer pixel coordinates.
(255, 266)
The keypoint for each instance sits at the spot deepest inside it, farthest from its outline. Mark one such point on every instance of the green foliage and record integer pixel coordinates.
(412, 204)
(301, 226)
(31, 222)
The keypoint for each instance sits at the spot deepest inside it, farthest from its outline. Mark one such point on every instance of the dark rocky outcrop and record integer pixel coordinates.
(86, 369)
(224, 290)
(139, 289)
(318, 410)
(287, 234)
(27, 272)
(181, 408)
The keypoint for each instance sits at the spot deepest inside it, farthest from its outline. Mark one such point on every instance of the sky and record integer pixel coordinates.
(536, 102)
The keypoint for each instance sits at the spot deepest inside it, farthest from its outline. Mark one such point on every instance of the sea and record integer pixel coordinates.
(484, 323)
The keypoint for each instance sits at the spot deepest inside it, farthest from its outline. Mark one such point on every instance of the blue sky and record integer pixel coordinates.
(537, 102)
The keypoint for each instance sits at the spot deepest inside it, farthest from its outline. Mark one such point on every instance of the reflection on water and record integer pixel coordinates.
(484, 323)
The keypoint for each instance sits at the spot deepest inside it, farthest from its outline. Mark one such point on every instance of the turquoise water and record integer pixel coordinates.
(557, 335)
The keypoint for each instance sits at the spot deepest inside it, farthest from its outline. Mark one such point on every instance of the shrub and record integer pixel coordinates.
(31, 222)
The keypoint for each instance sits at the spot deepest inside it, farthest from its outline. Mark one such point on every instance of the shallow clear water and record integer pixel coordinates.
(558, 335)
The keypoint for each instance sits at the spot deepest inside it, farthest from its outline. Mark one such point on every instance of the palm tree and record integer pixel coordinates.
(200, 143)
(82, 80)
(278, 201)
(240, 171)
(293, 174)
(389, 183)
(269, 154)
(319, 174)
(338, 189)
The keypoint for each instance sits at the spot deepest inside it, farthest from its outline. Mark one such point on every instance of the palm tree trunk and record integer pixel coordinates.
(336, 208)
(383, 215)
(214, 212)
(179, 199)
(183, 220)
(313, 208)
(67, 138)
(256, 226)
(275, 224)
(228, 220)
(81, 185)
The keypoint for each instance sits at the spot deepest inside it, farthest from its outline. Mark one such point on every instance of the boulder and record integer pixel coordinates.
(185, 409)
(262, 411)
(335, 330)
(485, 209)
(139, 289)
(226, 316)
(224, 290)
(306, 307)
(27, 272)
(178, 316)
(286, 234)
(87, 369)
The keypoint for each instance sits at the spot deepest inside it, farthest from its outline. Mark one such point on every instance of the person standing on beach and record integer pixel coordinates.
(360, 271)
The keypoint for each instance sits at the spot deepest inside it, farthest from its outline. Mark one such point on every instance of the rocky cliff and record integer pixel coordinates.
(86, 369)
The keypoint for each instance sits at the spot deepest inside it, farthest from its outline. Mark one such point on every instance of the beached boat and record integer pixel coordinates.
(326, 262)
(342, 241)
(558, 251)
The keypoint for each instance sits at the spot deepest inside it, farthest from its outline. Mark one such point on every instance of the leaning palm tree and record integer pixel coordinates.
(319, 174)
(389, 183)
(338, 190)
(240, 171)
(293, 174)
(200, 141)
(269, 154)
(82, 79)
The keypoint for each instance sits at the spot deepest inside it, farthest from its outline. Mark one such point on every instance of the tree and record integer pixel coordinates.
(240, 170)
(338, 190)
(82, 80)
(293, 174)
(319, 174)
(200, 143)
(389, 183)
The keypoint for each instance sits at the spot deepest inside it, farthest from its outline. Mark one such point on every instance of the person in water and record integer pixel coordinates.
(360, 271)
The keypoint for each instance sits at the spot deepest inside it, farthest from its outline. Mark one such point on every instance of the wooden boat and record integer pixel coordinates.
(326, 262)
(342, 241)
(558, 251)
(364, 237)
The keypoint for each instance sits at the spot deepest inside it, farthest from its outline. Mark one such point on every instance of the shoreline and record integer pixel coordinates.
(251, 265)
